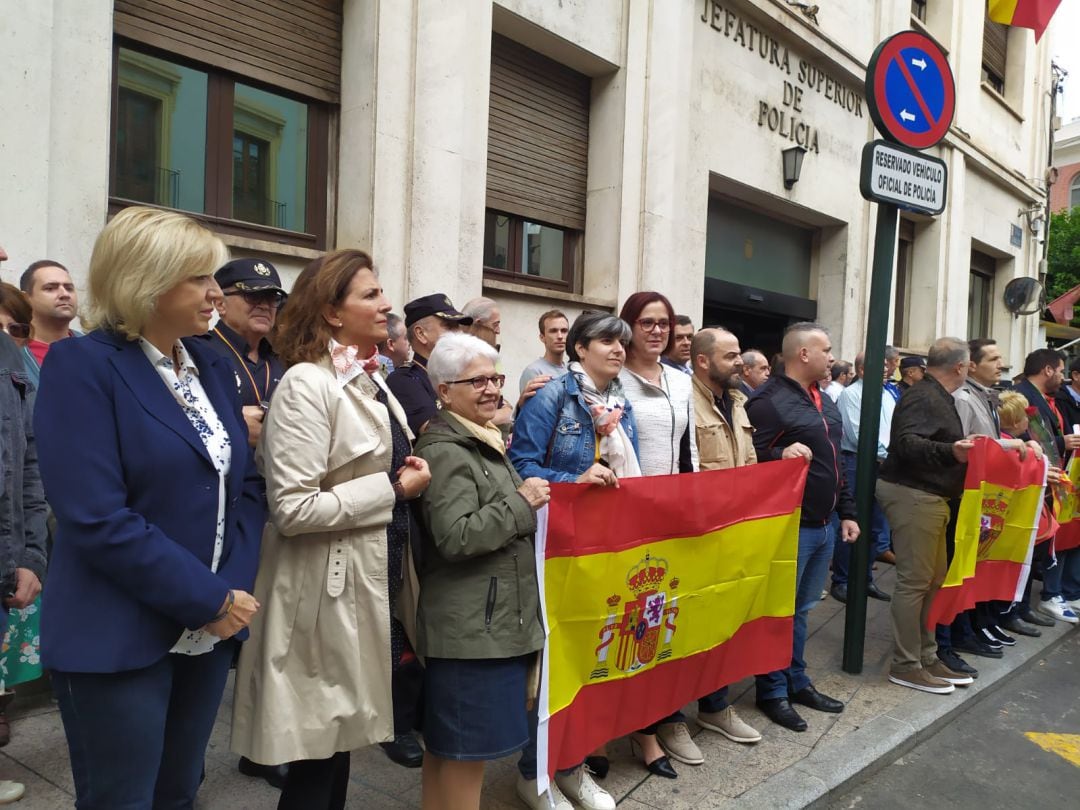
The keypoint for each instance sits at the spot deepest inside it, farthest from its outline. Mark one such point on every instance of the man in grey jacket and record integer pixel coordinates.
(22, 502)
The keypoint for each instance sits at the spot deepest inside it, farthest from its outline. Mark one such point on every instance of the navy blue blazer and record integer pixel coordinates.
(136, 498)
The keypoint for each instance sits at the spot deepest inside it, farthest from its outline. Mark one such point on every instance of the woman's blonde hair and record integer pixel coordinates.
(1012, 409)
(140, 254)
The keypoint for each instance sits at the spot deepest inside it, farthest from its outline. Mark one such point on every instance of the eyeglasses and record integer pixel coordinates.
(649, 324)
(18, 330)
(481, 382)
(274, 298)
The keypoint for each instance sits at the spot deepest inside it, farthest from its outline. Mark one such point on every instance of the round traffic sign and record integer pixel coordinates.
(910, 90)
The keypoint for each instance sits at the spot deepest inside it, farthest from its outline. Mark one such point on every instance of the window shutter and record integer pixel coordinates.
(995, 37)
(294, 45)
(538, 136)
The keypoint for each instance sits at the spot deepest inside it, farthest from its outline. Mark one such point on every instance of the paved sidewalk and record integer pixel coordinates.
(880, 722)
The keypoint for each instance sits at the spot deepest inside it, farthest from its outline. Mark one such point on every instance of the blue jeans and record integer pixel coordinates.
(880, 535)
(138, 739)
(1063, 578)
(715, 702)
(815, 551)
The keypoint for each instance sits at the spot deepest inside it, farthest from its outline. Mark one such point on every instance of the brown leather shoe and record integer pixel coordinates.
(888, 557)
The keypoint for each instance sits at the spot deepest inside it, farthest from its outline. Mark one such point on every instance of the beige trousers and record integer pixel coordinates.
(918, 521)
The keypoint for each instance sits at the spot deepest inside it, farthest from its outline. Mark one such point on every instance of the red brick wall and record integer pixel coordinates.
(1059, 192)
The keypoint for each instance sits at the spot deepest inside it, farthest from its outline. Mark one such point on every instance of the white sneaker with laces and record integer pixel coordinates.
(1057, 607)
(579, 787)
(676, 741)
(526, 791)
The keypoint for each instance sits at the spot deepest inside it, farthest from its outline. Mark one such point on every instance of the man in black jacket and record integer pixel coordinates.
(924, 471)
(792, 418)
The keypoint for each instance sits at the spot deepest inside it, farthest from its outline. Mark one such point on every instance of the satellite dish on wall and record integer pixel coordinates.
(1024, 296)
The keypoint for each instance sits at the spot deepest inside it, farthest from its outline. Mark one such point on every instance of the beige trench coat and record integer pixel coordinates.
(314, 678)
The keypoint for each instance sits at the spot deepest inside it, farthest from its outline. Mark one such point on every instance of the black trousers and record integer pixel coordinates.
(316, 784)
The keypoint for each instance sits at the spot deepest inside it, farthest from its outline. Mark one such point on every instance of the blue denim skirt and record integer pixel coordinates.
(475, 709)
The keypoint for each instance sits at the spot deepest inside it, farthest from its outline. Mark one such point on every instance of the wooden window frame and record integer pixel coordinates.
(994, 35)
(219, 144)
(985, 267)
(572, 244)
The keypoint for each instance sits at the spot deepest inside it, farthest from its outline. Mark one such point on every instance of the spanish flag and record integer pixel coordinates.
(659, 592)
(995, 530)
(1034, 14)
(1068, 536)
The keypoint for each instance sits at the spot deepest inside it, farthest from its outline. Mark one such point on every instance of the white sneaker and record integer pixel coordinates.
(579, 787)
(677, 743)
(1058, 608)
(1074, 605)
(526, 791)
(13, 791)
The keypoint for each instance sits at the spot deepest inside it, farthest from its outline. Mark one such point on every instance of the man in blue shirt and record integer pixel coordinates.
(850, 404)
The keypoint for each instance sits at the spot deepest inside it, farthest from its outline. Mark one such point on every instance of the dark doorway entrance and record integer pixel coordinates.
(757, 317)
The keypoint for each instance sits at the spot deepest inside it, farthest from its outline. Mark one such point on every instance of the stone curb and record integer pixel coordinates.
(829, 770)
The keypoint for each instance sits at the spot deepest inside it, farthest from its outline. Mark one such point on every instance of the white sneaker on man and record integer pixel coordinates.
(1058, 608)
(1074, 605)
(526, 791)
(13, 791)
(676, 741)
(578, 786)
(728, 723)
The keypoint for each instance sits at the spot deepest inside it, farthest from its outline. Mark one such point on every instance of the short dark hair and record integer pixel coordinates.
(683, 320)
(977, 347)
(840, 367)
(1074, 366)
(590, 326)
(26, 280)
(551, 313)
(1039, 359)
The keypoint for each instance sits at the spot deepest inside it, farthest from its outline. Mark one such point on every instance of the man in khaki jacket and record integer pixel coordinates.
(725, 440)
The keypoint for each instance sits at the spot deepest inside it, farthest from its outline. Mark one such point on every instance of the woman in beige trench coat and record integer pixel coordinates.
(313, 682)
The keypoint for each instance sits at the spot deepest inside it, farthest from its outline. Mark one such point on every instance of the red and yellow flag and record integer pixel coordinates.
(659, 592)
(995, 530)
(1034, 14)
(1068, 503)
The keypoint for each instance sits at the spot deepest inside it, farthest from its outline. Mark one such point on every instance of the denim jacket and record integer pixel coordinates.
(554, 437)
(22, 501)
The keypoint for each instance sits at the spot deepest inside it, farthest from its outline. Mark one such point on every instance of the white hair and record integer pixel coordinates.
(454, 352)
(480, 309)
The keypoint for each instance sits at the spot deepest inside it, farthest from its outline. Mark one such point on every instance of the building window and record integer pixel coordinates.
(538, 140)
(918, 9)
(994, 54)
(199, 141)
(1074, 191)
(516, 245)
(905, 250)
(980, 294)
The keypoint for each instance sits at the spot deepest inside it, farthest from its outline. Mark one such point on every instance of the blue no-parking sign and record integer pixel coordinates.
(910, 90)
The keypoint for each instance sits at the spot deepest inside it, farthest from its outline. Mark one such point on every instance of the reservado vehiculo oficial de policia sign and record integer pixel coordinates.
(903, 177)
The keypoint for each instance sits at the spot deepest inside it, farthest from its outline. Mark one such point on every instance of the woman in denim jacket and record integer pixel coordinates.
(578, 428)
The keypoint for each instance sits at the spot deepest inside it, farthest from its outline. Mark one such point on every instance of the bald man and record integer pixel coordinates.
(792, 418)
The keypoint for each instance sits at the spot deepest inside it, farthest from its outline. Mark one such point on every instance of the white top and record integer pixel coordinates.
(662, 414)
(191, 397)
(834, 390)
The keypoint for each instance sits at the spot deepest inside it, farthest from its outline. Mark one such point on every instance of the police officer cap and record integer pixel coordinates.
(913, 362)
(436, 304)
(251, 275)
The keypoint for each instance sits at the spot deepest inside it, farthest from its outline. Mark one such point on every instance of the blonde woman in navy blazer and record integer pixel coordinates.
(145, 460)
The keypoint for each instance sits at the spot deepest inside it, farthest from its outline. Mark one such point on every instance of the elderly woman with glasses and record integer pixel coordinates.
(478, 623)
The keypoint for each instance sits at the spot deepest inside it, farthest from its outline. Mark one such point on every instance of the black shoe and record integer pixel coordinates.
(1014, 624)
(809, 696)
(661, 767)
(976, 647)
(780, 712)
(874, 592)
(273, 774)
(990, 640)
(1031, 617)
(1001, 635)
(957, 664)
(839, 593)
(598, 766)
(405, 751)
